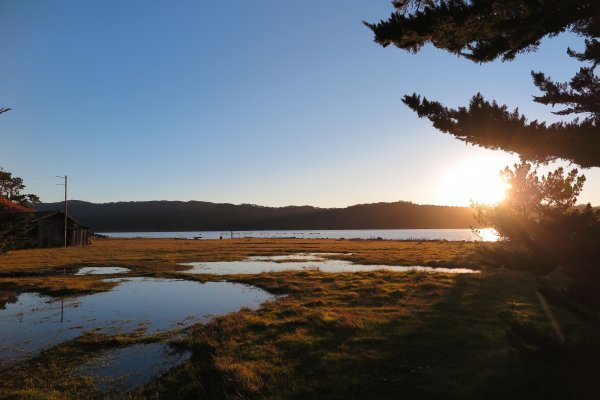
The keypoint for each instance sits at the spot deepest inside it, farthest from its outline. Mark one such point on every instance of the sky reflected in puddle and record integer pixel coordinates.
(304, 261)
(102, 270)
(32, 322)
(131, 366)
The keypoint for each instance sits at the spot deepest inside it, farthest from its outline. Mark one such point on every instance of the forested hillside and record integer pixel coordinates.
(197, 215)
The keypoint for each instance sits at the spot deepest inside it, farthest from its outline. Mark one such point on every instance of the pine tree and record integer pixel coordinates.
(486, 30)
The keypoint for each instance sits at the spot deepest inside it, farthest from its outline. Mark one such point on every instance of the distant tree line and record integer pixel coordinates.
(196, 215)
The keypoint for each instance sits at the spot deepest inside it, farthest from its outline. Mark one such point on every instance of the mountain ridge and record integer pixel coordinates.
(173, 215)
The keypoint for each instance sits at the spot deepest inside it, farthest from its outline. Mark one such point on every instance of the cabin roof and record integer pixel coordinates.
(40, 215)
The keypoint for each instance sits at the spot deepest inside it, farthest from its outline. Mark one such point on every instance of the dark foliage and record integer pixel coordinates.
(15, 212)
(492, 126)
(195, 215)
(15, 228)
(485, 30)
(545, 233)
(11, 189)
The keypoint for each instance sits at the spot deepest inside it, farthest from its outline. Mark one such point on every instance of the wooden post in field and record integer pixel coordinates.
(66, 210)
(65, 230)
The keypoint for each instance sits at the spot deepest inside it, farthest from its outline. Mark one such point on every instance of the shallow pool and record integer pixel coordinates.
(304, 261)
(131, 366)
(101, 270)
(32, 322)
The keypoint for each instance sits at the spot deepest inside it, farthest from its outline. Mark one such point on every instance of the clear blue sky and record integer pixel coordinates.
(266, 102)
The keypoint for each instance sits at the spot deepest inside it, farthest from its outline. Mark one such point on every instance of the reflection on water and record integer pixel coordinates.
(310, 261)
(298, 257)
(35, 322)
(102, 270)
(131, 366)
(487, 234)
(7, 297)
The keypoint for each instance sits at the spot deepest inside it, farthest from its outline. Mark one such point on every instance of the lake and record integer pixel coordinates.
(487, 234)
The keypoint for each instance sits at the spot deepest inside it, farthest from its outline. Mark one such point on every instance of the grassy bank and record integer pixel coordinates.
(43, 268)
(369, 335)
(161, 254)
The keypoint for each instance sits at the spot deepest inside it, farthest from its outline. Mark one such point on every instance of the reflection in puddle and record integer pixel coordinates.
(35, 322)
(102, 270)
(131, 366)
(309, 261)
(7, 297)
(299, 257)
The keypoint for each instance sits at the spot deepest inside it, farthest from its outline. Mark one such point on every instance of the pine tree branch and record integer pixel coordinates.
(492, 126)
(581, 94)
(590, 54)
(484, 30)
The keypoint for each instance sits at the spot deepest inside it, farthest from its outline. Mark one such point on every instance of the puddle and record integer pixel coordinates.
(35, 322)
(7, 297)
(102, 270)
(307, 261)
(299, 257)
(127, 367)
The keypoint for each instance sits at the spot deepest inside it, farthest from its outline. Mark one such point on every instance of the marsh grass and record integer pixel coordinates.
(367, 335)
(43, 269)
(163, 254)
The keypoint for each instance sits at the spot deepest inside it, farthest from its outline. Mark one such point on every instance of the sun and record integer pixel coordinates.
(477, 179)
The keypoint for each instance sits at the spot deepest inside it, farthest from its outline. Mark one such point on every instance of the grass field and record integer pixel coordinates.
(368, 335)
(42, 269)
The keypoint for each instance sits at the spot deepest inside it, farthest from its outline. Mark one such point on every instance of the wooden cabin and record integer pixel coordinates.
(48, 230)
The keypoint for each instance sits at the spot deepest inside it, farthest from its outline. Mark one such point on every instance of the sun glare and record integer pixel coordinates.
(477, 179)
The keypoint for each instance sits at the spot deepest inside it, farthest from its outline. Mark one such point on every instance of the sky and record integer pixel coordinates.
(264, 102)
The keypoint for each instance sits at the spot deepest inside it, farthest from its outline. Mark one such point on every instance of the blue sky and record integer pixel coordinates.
(264, 102)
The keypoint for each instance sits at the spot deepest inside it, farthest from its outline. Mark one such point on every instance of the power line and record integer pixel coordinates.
(32, 178)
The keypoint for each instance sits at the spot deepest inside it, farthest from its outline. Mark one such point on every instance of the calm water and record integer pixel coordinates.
(312, 261)
(102, 270)
(487, 234)
(31, 322)
(131, 366)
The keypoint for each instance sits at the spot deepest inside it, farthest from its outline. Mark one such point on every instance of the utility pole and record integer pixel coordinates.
(66, 210)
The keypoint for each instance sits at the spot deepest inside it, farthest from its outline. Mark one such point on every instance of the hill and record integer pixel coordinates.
(148, 216)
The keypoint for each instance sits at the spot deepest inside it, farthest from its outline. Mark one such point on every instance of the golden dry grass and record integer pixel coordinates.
(165, 254)
(373, 335)
(42, 269)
